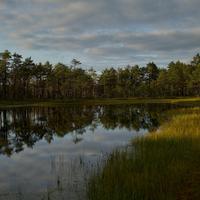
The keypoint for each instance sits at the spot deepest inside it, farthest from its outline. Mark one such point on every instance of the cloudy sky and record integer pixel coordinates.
(101, 33)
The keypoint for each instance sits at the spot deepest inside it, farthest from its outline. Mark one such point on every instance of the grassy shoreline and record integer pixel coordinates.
(111, 101)
(163, 165)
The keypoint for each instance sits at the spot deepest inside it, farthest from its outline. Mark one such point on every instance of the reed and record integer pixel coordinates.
(164, 165)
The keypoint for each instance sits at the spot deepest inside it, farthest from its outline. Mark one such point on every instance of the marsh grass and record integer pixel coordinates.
(164, 165)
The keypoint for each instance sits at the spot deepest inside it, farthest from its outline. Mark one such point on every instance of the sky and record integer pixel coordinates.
(101, 33)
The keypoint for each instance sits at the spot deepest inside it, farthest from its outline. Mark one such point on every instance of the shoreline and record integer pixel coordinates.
(106, 101)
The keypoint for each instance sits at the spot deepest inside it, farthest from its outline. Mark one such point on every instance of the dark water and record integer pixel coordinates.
(49, 153)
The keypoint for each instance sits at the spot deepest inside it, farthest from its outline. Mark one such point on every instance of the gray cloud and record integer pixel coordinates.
(111, 31)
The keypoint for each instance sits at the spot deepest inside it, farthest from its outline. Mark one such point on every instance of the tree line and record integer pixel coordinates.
(24, 79)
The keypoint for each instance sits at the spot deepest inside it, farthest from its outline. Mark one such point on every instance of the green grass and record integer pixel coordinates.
(111, 101)
(164, 165)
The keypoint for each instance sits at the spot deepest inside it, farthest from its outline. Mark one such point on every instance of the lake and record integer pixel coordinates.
(50, 152)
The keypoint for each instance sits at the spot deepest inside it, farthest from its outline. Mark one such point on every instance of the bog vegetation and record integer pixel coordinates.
(163, 165)
(23, 79)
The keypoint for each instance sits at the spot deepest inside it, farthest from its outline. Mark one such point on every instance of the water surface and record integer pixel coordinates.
(49, 152)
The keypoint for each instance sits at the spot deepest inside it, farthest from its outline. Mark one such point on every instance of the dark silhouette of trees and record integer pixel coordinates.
(23, 79)
(4, 70)
(75, 62)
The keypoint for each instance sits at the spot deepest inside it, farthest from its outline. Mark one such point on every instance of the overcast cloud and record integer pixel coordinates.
(101, 33)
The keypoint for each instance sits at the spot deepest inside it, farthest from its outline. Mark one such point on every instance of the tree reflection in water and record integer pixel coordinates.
(20, 127)
(49, 152)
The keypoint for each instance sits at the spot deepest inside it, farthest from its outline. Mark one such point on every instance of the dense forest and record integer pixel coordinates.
(23, 79)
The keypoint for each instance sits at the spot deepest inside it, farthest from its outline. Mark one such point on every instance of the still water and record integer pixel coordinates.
(50, 152)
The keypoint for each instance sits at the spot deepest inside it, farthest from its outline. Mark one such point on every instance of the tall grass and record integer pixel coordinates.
(164, 165)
